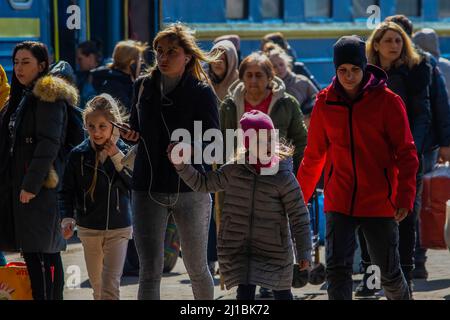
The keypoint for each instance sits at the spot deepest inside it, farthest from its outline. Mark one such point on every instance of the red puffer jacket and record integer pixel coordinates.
(366, 148)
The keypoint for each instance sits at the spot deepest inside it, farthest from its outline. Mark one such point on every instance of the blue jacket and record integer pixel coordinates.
(412, 85)
(439, 134)
(111, 206)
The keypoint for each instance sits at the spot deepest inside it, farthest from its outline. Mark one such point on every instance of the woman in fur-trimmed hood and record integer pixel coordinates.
(34, 129)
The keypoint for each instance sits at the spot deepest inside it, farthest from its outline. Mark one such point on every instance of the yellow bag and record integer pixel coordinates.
(15, 282)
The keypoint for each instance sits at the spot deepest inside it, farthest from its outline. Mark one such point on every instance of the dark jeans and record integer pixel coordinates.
(429, 160)
(46, 275)
(407, 232)
(382, 242)
(247, 292)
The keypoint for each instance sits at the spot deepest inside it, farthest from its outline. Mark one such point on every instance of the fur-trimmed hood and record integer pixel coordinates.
(51, 89)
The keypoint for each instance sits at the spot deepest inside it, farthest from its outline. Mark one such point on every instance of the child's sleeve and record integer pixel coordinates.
(297, 212)
(212, 181)
(69, 188)
(125, 174)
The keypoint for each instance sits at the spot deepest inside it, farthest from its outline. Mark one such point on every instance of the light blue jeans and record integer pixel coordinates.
(192, 214)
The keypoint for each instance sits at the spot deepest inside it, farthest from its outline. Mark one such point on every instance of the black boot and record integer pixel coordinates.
(363, 291)
(420, 271)
(408, 273)
(265, 293)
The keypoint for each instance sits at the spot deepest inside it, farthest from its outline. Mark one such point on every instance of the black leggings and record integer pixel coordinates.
(247, 292)
(46, 275)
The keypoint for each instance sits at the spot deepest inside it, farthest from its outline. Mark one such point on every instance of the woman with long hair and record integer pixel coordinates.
(33, 131)
(172, 96)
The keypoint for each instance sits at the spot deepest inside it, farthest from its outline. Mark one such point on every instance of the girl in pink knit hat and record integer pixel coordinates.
(264, 220)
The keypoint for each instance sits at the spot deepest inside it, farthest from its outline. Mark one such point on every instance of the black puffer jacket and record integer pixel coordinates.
(37, 128)
(111, 206)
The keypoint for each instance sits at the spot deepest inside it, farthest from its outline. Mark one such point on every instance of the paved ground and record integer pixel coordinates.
(176, 285)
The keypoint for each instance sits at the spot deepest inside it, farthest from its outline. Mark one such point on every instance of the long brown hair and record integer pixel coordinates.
(185, 38)
(408, 56)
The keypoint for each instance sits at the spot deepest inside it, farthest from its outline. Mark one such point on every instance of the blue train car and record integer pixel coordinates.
(107, 20)
(19, 21)
(311, 26)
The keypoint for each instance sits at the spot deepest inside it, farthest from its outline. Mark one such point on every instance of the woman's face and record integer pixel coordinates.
(98, 127)
(279, 65)
(219, 68)
(26, 67)
(256, 80)
(390, 46)
(171, 58)
(349, 76)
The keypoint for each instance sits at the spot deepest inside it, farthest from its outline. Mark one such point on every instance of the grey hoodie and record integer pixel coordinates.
(428, 40)
(232, 75)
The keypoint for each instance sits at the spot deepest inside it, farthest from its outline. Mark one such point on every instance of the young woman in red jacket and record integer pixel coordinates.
(360, 135)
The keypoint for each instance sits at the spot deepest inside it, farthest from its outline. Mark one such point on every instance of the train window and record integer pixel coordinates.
(360, 7)
(410, 8)
(318, 9)
(21, 4)
(272, 9)
(237, 9)
(444, 8)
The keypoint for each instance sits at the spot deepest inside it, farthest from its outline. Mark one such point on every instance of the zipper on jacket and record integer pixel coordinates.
(250, 234)
(109, 192)
(329, 177)
(84, 192)
(352, 144)
(117, 201)
(389, 187)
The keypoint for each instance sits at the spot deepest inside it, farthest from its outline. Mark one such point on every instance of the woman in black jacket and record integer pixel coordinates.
(33, 131)
(172, 96)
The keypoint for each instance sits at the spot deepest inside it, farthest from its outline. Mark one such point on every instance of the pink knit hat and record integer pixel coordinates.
(256, 120)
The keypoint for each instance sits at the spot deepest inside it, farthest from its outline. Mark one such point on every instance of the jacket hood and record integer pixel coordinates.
(64, 70)
(237, 93)
(232, 68)
(51, 89)
(374, 77)
(428, 40)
